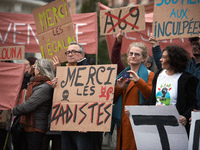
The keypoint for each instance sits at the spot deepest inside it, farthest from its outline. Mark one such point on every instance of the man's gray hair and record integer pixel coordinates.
(80, 46)
(45, 68)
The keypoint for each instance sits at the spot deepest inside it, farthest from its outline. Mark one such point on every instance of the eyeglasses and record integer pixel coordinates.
(135, 54)
(73, 52)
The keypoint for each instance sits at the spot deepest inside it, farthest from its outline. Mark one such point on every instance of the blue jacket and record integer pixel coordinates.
(192, 68)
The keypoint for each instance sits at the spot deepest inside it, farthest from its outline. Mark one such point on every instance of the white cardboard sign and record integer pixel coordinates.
(157, 127)
(194, 142)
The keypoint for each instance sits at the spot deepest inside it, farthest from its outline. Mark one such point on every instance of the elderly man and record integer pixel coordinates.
(75, 56)
(73, 139)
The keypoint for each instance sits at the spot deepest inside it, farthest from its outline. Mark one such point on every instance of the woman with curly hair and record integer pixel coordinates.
(173, 86)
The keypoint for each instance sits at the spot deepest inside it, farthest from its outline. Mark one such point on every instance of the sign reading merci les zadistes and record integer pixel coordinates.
(83, 98)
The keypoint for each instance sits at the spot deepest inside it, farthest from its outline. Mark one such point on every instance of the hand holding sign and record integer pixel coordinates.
(54, 82)
(182, 120)
(120, 36)
(127, 112)
(153, 40)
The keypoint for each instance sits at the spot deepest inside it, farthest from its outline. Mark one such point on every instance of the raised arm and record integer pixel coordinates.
(156, 50)
(116, 53)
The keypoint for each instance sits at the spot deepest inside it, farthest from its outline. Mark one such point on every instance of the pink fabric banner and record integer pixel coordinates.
(143, 36)
(85, 26)
(11, 77)
(19, 29)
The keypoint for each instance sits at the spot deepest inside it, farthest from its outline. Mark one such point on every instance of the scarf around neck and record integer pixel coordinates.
(117, 108)
(28, 119)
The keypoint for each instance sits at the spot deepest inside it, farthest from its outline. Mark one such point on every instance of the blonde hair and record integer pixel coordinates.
(45, 68)
(141, 46)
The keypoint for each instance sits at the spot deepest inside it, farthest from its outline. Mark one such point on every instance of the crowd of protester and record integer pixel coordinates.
(172, 66)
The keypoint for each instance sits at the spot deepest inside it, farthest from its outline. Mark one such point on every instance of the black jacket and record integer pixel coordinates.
(186, 100)
(84, 61)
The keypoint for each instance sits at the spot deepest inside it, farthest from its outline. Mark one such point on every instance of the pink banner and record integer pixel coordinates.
(11, 77)
(19, 29)
(85, 26)
(143, 36)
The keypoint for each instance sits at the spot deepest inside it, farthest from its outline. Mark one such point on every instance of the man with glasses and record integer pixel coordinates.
(73, 139)
(75, 56)
(194, 64)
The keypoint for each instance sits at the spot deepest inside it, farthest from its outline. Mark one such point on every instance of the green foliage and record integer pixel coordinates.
(88, 6)
(103, 53)
(91, 5)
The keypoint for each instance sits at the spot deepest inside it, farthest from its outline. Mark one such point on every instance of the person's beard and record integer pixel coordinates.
(198, 53)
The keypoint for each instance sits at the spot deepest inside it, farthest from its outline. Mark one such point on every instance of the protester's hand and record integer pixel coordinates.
(182, 120)
(31, 70)
(195, 110)
(55, 61)
(119, 36)
(190, 120)
(153, 40)
(127, 112)
(121, 82)
(133, 76)
(54, 82)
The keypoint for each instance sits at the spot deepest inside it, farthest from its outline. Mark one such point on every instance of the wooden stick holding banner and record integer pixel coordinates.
(158, 126)
(179, 19)
(54, 28)
(83, 98)
(128, 19)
